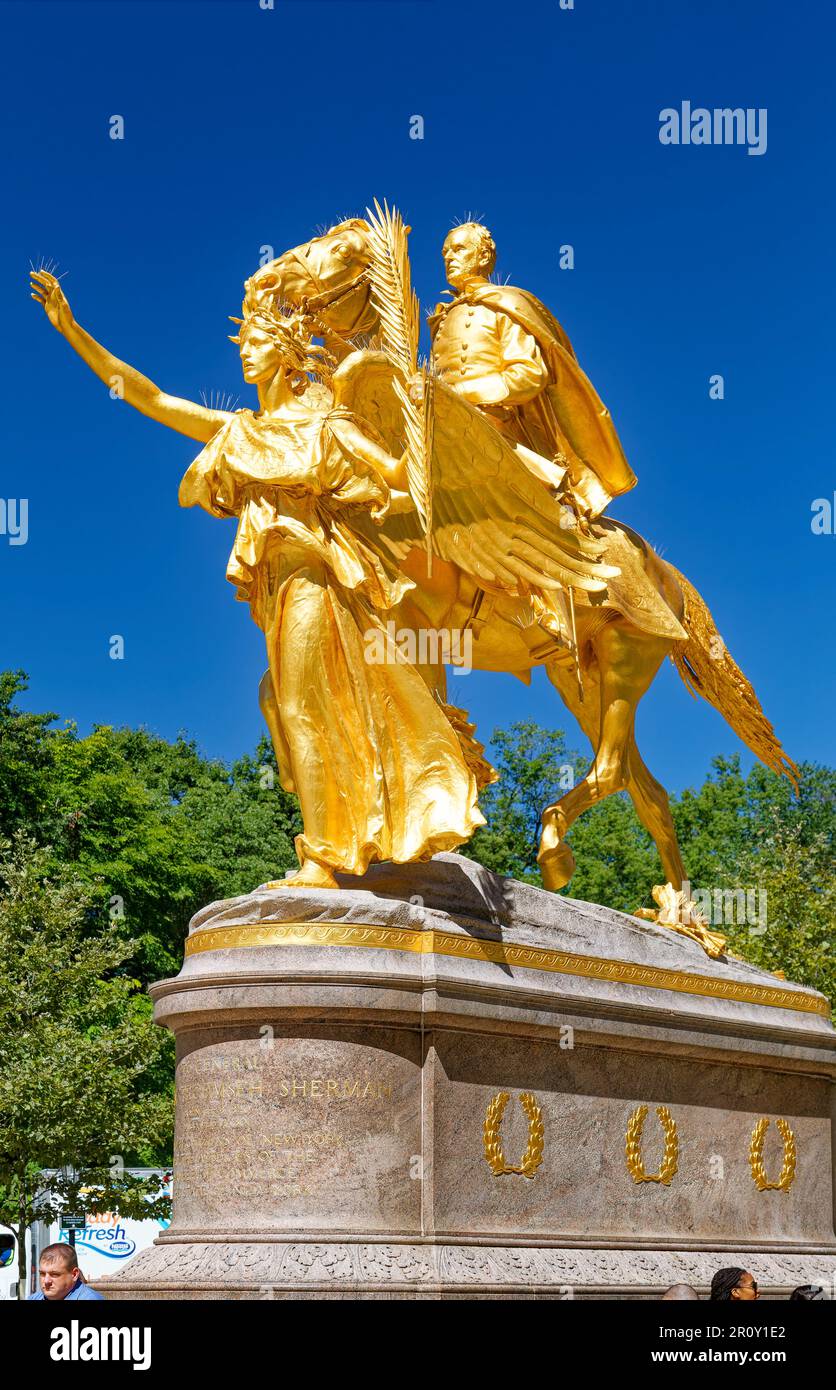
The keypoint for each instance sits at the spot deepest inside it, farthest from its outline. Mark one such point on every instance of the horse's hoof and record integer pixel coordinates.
(556, 867)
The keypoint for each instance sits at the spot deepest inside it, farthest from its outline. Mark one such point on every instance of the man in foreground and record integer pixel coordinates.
(61, 1279)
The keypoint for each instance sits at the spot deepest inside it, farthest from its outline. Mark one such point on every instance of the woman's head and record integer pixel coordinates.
(271, 342)
(733, 1284)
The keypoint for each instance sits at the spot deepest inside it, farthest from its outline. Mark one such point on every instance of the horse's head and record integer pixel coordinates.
(328, 276)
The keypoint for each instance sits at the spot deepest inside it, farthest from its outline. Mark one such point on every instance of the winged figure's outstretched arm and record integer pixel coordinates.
(187, 417)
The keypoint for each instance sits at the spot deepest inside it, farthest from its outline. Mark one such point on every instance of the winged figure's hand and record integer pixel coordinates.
(47, 291)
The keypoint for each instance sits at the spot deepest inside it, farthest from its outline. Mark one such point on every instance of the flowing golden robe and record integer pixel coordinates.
(379, 770)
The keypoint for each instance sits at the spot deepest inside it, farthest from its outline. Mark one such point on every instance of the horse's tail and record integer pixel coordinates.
(708, 669)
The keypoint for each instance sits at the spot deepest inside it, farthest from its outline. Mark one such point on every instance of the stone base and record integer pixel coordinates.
(371, 1270)
(447, 1084)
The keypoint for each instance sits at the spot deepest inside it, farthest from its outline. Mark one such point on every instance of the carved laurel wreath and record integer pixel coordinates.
(494, 1156)
(756, 1157)
(633, 1146)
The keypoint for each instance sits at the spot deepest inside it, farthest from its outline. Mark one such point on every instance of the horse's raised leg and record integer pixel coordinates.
(627, 661)
(653, 810)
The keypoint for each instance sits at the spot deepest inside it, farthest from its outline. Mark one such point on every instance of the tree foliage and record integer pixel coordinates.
(152, 829)
(83, 1070)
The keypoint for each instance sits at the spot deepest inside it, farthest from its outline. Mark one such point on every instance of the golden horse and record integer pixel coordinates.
(616, 641)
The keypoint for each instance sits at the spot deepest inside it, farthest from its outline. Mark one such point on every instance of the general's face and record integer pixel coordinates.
(463, 257)
(260, 358)
(56, 1281)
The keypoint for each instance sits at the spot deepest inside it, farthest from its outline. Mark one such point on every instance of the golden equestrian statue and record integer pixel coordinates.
(603, 663)
(373, 492)
(384, 770)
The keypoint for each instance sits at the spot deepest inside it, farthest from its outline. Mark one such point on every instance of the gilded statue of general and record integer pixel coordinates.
(372, 492)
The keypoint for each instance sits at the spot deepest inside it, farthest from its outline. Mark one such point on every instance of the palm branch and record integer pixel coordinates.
(397, 307)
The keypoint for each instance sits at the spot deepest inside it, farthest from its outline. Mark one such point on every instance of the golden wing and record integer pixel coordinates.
(364, 383)
(491, 516)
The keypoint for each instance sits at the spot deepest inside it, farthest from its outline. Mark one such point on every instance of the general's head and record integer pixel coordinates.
(469, 253)
(58, 1271)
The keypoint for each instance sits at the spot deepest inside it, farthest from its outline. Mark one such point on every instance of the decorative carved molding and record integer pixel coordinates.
(264, 1267)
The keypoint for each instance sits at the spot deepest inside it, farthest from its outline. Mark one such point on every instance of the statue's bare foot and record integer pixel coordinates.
(556, 866)
(311, 875)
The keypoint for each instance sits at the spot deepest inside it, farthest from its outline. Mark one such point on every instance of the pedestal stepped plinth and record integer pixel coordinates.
(339, 1060)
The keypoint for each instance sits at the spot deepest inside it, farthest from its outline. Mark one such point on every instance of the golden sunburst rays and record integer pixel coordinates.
(219, 400)
(46, 264)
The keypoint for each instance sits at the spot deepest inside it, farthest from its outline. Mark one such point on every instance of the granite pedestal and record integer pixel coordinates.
(432, 1086)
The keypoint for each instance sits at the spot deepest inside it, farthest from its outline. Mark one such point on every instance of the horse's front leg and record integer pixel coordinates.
(627, 662)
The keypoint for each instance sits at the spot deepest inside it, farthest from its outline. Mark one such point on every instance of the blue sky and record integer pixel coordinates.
(246, 127)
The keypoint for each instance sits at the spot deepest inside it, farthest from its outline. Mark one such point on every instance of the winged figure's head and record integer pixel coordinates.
(280, 339)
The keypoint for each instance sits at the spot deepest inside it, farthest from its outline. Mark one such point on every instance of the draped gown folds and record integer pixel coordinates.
(380, 770)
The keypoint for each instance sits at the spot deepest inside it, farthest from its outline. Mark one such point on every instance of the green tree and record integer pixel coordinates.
(81, 1062)
(243, 824)
(153, 829)
(717, 821)
(793, 875)
(534, 769)
(24, 758)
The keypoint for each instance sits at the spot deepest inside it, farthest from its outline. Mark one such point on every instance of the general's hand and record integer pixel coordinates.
(47, 291)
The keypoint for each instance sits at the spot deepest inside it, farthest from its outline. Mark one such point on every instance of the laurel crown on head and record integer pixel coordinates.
(292, 330)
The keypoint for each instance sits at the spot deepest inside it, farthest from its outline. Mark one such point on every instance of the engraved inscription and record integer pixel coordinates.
(258, 1128)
